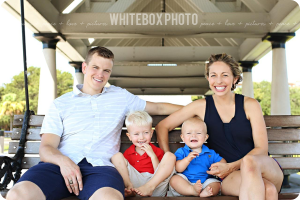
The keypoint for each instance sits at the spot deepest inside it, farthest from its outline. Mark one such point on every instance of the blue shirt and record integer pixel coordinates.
(197, 168)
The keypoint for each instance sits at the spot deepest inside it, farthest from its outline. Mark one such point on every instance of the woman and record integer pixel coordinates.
(237, 131)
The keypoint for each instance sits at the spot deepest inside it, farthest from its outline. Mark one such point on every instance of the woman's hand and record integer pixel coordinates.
(220, 169)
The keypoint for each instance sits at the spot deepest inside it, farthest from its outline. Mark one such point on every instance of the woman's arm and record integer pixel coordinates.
(259, 134)
(175, 119)
(259, 130)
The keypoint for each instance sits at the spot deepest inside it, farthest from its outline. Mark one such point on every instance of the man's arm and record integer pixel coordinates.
(48, 149)
(69, 170)
(161, 108)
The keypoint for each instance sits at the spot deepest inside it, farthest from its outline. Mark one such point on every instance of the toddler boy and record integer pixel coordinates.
(145, 169)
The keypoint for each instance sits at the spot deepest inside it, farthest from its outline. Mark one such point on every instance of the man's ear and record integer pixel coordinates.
(84, 66)
(128, 135)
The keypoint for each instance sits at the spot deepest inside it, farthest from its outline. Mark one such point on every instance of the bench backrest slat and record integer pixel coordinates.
(33, 134)
(35, 120)
(280, 129)
(283, 134)
(284, 149)
(174, 136)
(274, 149)
(282, 120)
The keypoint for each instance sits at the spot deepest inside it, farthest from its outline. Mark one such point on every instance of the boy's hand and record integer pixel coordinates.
(192, 155)
(148, 149)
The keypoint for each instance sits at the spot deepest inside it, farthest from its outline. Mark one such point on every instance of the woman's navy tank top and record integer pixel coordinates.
(231, 140)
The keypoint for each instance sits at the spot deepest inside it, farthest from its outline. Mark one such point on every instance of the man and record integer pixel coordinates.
(80, 133)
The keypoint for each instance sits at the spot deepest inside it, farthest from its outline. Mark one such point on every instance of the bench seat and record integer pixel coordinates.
(283, 135)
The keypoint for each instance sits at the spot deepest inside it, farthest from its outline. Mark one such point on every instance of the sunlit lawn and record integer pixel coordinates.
(5, 148)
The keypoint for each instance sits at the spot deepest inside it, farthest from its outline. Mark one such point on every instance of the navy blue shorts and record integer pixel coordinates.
(47, 176)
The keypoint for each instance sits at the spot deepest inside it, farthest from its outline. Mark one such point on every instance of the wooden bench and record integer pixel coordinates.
(283, 135)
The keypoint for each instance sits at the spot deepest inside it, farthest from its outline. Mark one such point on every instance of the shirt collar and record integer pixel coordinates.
(77, 91)
(131, 149)
(205, 149)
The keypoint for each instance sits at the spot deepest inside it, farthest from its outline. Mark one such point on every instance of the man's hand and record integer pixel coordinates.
(192, 155)
(219, 169)
(148, 149)
(72, 175)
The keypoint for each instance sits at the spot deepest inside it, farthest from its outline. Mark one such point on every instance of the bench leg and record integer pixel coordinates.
(286, 183)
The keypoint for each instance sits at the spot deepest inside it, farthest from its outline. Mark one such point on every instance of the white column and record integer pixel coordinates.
(78, 79)
(48, 81)
(247, 86)
(280, 94)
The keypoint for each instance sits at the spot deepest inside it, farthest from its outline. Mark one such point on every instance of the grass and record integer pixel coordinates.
(6, 145)
(5, 148)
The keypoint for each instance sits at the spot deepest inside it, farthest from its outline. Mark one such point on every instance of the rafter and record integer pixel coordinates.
(170, 53)
(254, 6)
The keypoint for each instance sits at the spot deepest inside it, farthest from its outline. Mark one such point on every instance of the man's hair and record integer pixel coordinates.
(100, 51)
(195, 120)
(138, 118)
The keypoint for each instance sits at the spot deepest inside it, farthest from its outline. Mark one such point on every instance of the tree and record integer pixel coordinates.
(11, 107)
(295, 100)
(194, 98)
(64, 80)
(262, 93)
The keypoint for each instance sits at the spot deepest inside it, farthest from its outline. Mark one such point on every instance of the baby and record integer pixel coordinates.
(193, 161)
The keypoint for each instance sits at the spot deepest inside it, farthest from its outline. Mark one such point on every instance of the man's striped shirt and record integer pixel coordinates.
(90, 125)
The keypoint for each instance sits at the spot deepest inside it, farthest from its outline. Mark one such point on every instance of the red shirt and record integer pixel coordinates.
(142, 163)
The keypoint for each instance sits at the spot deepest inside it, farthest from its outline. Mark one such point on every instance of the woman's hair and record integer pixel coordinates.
(230, 61)
(100, 51)
(138, 118)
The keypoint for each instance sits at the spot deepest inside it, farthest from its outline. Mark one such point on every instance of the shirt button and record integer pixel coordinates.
(137, 161)
(135, 154)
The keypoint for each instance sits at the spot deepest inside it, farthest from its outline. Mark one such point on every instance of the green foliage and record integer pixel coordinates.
(262, 93)
(17, 89)
(238, 90)
(295, 100)
(65, 82)
(194, 98)
(11, 107)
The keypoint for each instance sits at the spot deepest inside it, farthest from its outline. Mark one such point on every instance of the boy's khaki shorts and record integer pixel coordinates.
(173, 193)
(138, 179)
